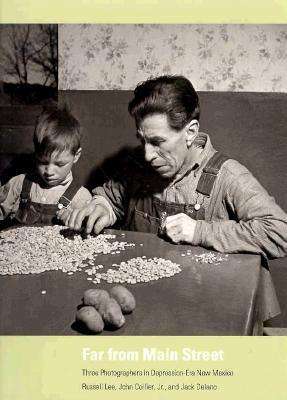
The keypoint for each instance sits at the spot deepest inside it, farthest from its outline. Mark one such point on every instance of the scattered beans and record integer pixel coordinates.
(32, 250)
(210, 258)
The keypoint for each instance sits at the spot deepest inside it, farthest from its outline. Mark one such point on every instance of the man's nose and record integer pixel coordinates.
(150, 153)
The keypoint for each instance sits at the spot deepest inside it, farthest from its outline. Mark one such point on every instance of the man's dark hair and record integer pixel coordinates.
(56, 130)
(171, 95)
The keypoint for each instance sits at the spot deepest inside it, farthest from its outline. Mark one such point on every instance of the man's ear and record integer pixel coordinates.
(77, 155)
(191, 129)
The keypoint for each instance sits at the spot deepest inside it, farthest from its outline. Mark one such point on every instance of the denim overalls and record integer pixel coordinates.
(30, 212)
(146, 213)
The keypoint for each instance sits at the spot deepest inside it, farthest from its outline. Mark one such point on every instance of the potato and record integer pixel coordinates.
(91, 318)
(95, 297)
(124, 297)
(112, 313)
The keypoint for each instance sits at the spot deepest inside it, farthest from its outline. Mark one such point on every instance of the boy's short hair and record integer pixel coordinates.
(57, 130)
(172, 95)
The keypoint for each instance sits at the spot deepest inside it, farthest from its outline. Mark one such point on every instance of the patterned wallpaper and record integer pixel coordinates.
(213, 57)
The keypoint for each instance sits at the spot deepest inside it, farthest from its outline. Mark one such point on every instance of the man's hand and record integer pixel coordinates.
(180, 228)
(97, 217)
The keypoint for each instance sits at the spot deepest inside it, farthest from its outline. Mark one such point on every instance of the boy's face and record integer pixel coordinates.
(55, 168)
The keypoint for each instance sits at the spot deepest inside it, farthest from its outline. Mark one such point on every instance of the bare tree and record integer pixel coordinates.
(16, 54)
(31, 48)
(45, 53)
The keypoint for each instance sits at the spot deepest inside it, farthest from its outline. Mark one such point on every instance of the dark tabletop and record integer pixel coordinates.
(204, 299)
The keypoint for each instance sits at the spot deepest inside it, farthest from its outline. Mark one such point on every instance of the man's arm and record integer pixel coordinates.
(112, 195)
(260, 226)
(105, 208)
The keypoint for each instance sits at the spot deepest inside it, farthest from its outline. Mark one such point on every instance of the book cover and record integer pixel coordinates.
(207, 322)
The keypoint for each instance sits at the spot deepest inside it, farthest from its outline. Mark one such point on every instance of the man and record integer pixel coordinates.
(196, 194)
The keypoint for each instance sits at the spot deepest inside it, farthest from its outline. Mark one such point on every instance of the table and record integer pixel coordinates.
(204, 299)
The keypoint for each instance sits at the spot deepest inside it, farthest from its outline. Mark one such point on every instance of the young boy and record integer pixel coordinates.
(36, 197)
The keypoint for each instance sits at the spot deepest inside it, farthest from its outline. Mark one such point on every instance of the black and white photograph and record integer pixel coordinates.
(143, 171)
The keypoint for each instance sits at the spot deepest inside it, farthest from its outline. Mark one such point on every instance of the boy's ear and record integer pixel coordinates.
(77, 155)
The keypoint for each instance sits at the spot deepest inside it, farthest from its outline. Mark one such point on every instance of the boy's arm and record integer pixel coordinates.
(10, 196)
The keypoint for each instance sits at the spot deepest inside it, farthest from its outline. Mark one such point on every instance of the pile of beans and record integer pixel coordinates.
(135, 270)
(32, 250)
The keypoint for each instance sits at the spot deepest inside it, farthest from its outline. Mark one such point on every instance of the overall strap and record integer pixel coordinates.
(209, 173)
(69, 194)
(26, 188)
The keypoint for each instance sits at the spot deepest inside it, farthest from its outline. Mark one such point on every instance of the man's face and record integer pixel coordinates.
(165, 148)
(55, 168)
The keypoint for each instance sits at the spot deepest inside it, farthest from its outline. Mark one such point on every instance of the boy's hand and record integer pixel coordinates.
(96, 215)
(180, 228)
